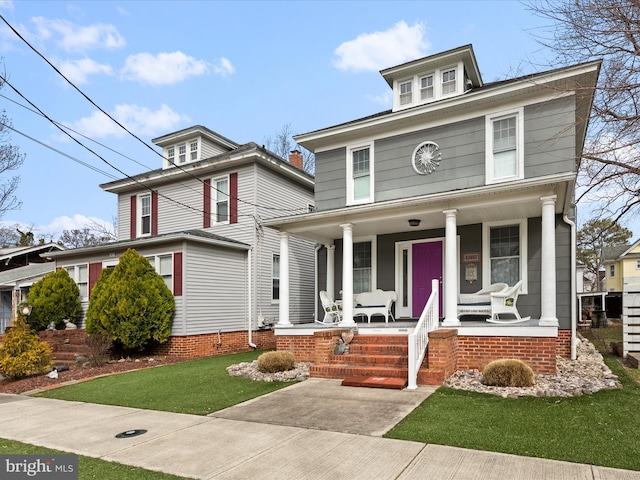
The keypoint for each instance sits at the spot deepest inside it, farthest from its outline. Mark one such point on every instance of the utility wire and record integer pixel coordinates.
(126, 129)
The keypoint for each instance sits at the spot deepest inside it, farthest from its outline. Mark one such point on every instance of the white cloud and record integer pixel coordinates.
(162, 69)
(59, 224)
(140, 120)
(78, 70)
(72, 37)
(378, 50)
(224, 67)
(385, 98)
(6, 5)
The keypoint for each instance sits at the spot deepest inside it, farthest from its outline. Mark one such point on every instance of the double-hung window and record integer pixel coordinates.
(449, 81)
(505, 253)
(505, 151)
(193, 150)
(171, 155)
(220, 199)
(612, 270)
(406, 94)
(145, 214)
(275, 278)
(182, 153)
(362, 267)
(426, 87)
(360, 174)
(80, 275)
(163, 264)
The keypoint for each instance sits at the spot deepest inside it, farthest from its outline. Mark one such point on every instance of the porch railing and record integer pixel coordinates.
(419, 339)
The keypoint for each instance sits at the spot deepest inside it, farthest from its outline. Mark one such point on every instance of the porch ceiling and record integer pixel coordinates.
(483, 205)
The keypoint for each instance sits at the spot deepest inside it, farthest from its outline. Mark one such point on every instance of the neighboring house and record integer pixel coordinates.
(199, 221)
(621, 273)
(14, 286)
(466, 182)
(21, 267)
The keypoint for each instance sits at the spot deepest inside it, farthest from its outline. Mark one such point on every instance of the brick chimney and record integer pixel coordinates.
(295, 159)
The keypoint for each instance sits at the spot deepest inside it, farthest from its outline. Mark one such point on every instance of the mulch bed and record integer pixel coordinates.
(79, 373)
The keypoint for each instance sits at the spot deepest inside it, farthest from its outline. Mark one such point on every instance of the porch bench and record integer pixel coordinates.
(375, 303)
(501, 301)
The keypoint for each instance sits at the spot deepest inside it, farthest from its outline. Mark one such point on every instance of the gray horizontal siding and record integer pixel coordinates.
(216, 290)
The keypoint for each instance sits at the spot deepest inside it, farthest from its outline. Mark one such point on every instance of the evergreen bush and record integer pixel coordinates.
(22, 353)
(54, 298)
(131, 304)
(271, 362)
(508, 373)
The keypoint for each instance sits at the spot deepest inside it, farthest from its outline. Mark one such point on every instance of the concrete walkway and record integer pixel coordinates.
(274, 438)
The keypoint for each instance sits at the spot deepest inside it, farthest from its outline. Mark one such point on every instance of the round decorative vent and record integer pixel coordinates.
(426, 158)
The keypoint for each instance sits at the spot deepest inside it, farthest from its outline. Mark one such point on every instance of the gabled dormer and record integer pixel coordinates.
(191, 145)
(445, 75)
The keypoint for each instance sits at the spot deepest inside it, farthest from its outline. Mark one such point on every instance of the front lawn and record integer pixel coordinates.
(197, 387)
(600, 429)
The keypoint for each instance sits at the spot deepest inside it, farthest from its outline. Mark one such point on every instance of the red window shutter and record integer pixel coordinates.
(206, 207)
(233, 198)
(177, 274)
(94, 273)
(154, 212)
(133, 214)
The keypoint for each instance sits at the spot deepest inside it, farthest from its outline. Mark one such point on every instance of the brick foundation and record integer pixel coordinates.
(306, 348)
(538, 352)
(212, 344)
(442, 351)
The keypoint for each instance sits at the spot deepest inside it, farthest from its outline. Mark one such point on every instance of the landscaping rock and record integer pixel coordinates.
(586, 375)
(250, 370)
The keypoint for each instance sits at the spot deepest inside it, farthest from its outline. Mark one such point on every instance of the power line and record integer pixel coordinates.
(127, 130)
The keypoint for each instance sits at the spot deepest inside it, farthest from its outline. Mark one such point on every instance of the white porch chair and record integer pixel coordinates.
(332, 311)
(504, 303)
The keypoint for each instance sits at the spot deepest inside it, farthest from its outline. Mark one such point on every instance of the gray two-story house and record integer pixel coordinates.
(199, 219)
(464, 182)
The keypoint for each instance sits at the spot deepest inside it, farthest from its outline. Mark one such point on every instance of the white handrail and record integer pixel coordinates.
(419, 339)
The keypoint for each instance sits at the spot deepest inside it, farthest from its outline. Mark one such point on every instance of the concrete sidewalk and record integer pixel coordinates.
(263, 446)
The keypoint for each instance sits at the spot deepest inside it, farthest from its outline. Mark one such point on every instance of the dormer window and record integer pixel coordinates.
(426, 87)
(449, 81)
(406, 95)
(182, 153)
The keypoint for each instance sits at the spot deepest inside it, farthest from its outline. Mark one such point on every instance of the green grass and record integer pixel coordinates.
(89, 468)
(600, 429)
(197, 387)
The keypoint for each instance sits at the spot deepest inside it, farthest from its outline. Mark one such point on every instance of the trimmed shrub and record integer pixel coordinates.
(271, 362)
(22, 353)
(99, 346)
(508, 373)
(54, 298)
(131, 305)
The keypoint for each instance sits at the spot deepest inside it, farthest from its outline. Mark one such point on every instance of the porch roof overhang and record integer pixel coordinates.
(520, 199)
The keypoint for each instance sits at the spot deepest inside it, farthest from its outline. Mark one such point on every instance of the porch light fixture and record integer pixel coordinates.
(25, 309)
(414, 222)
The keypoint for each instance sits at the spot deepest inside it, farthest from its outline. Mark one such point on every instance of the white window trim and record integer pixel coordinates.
(412, 82)
(486, 257)
(434, 82)
(214, 200)
(374, 256)
(176, 146)
(75, 275)
(156, 264)
(612, 270)
(349, 160)
(274, 301)
(489, 119)
(440, 81)
(139, 215)
(637, 264)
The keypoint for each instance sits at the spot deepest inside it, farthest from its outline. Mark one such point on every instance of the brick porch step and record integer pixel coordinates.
(375, 382)
(382, 360)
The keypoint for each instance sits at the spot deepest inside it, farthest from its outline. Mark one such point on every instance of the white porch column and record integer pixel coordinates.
(548, 268)
(450, 270)
(347, 276)
(283, 320)
(331, 271)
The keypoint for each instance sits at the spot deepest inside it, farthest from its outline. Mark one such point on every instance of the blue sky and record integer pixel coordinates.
(242, 69)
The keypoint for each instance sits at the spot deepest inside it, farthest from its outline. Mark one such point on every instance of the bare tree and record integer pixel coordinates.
(585, 30)
(282, 144)
(10, 159)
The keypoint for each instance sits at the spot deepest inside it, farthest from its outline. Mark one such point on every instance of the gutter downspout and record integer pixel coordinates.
(574, 294)
(315, 285)
(250, 301)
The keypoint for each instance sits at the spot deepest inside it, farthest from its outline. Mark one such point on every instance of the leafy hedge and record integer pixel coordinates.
(54, 298)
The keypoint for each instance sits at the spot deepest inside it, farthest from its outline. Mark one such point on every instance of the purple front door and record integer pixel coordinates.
(426, 265)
